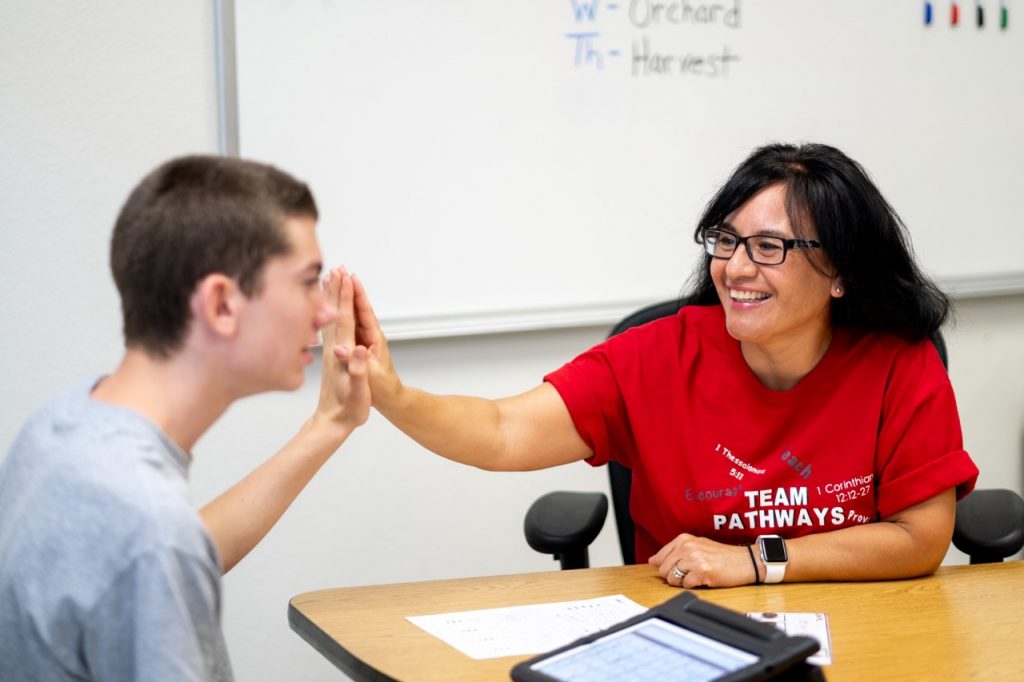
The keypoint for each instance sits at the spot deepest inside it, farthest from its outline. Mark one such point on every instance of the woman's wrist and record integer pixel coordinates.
(389, 397)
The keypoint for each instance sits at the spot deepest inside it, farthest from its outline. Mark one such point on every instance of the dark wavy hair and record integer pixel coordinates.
(191, 217)
(863, 237)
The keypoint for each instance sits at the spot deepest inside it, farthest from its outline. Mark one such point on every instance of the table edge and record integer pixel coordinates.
(330, 649)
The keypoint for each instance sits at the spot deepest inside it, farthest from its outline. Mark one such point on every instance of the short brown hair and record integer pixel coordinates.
(189, 218)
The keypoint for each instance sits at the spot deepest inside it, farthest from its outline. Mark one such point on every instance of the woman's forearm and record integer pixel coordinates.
(908, 544)
(529, 431)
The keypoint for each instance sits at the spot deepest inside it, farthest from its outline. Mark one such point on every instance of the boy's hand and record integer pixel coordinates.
(344, 386)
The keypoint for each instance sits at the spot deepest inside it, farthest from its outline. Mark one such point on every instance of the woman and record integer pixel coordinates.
(800, 428)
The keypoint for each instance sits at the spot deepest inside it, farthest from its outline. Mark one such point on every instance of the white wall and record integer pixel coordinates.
(93, 95)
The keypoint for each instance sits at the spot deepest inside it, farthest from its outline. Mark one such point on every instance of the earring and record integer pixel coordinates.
(839, 290)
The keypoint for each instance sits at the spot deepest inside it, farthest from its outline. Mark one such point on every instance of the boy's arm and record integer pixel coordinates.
(239, 518)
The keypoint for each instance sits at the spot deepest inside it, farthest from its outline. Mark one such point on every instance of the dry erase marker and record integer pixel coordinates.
(954, 13)
(1004, 15)
(979, 13)
(927, 13)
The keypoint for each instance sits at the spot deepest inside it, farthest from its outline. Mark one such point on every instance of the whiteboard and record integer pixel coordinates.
(488, 166)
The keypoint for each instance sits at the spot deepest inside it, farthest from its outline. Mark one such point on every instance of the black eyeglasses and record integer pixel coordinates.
(762, 249)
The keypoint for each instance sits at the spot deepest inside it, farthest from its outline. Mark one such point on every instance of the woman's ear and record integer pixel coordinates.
(216, 305)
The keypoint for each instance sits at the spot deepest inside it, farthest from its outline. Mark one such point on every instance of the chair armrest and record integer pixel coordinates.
(564, 524)
(989, 525)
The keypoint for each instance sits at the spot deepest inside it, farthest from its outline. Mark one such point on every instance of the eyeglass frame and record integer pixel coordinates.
(787, 244)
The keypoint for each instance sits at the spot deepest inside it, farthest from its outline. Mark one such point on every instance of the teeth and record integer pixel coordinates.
(747, 295)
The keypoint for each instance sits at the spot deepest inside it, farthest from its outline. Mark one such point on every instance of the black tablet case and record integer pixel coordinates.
(781, 656)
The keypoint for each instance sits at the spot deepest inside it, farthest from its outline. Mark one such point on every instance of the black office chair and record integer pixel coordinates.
(989, 523)
(564, 524)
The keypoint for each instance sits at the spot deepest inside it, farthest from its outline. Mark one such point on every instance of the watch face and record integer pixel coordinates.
(773, 550)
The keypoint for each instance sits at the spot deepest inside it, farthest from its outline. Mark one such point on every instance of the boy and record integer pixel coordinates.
(106, 570)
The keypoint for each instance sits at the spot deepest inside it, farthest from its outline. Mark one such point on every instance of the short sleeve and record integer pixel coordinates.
(920, 443)
(159, 620)
(590, 390)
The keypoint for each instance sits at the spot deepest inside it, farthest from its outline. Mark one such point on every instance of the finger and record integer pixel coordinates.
(359, 371)
(331, 287)
(367, 327)
(667, 549)
(346, 327)
(676, 575)
(358, 399)
(358, 361)
(341, 353)
(659, 556)
(665, 566)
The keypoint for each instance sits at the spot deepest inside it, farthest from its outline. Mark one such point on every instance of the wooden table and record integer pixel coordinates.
(964, 622)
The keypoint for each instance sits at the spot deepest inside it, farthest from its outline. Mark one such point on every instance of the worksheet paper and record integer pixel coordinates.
(522, 630)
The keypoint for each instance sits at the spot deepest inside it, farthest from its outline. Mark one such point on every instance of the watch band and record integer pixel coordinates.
(774, 573)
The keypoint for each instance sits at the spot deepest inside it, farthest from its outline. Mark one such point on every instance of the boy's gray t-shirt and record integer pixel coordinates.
(106, 570)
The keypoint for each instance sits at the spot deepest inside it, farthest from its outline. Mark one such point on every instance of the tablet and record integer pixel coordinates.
(683, 639)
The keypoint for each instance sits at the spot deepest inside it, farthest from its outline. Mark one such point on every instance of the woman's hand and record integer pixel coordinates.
(703, 562)
(385, 385)
(907, 544)
(532, 430)
(344, 385)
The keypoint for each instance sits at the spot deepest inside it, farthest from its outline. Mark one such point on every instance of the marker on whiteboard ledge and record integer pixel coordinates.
(927, 13)
(1004, 15)
(954, 13)
(979, 13)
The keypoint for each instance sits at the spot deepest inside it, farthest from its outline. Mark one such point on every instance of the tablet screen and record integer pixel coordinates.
(654, 648)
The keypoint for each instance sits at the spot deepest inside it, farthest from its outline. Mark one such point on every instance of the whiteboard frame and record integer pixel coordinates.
(227, 76)
(505, 321)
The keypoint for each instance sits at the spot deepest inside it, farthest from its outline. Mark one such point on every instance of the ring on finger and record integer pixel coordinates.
(678, 573)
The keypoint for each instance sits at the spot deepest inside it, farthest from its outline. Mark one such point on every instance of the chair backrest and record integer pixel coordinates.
(620, 477)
